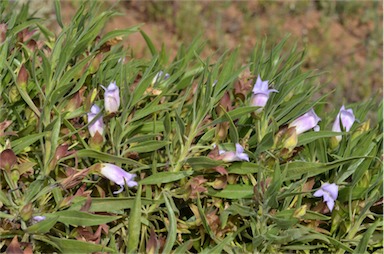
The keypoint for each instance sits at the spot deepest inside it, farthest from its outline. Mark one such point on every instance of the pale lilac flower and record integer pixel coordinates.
(118, 176)
(38, 218)
(261, 93)
(98, 125)
(160, 75)
(306, 122)
(329, 193)
(344, 118)
(238, 155)
(111, 98)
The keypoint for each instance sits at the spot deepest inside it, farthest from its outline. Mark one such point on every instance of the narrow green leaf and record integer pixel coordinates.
(76, 246)
(134, 224)
(219, 247)
(34, 188)
(6, 216)
(235, 191)
(104, 157)
(150, 44)
(165, 177)
(4, 199)
(243, 168)
(308, 137)
(296, 169)
(112, 204)
(147, 146)
(203, 162)
(235, 114)
(42, 227)
(172, 228)
(58, 13)
(117, 33)
(78, 218)
(29, 101)
(362, 246)
(20, 144)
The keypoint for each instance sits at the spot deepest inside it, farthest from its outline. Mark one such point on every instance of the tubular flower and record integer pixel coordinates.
(261, 93)
(238, 155)
(306, 122)
(344, 118)
(111, 98)
(38, 218)
(329, 193)
(98, 125)
(118, 176)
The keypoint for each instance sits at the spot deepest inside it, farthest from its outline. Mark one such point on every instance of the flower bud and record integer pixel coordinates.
(98, 125)
(26, 212)
(111, 98)
(306, 122)
(3, 32)
(95, 63)
(7, 159)
(364, 127)
(290, 139)
(22, 78)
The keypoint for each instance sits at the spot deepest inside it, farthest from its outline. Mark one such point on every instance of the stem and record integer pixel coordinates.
(184, 153)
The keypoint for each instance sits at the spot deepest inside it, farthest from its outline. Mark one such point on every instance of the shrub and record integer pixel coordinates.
(203, 161)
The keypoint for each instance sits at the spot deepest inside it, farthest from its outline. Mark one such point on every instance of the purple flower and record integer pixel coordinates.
(306, 122)
(38, 218)
(344, 118)
(118, 176)
(238, 155)
(329, 193)
(261, 93)
(111, 98)
(98, 125)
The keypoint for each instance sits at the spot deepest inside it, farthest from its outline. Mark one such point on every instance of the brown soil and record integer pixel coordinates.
(346, 43)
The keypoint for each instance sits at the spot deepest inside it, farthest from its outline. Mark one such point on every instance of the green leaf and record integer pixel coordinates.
(219, 247)
(235, 191)
(20, 144)
(134, 224)
(296, 169)
(112, 204)
(6, 216)
(104, 157)
(165, 177)
(235, 114)
(147, 146)
(358, 192)
(172, 228)
(243, 168)
(117, 33)
(42, 227)
(308, 137)
(150, 44)
(203, 162)
(362, 246)
(78, 218)
(58, 13)
(34, 188)
(76, 246)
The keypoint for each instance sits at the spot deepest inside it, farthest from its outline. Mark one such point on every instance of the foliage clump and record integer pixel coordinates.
(205, 161)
